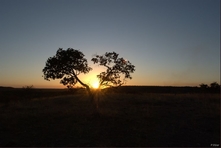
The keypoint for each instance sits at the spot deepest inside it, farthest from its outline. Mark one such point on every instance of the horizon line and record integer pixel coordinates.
(83, 87)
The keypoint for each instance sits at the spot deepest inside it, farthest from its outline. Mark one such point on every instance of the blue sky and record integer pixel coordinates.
(170, 42)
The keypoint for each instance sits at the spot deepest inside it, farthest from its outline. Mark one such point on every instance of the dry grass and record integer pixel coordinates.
(125, 120)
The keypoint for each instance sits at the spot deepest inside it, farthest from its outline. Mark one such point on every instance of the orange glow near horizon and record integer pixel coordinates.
(92, 81)
(95, 84)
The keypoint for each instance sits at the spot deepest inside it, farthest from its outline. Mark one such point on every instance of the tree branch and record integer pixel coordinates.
(85, 85)
(106, 77)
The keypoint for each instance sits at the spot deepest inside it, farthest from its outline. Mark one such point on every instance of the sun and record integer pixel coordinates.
(95, 84)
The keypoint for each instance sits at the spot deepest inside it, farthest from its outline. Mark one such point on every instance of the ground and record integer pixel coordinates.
(125, 119)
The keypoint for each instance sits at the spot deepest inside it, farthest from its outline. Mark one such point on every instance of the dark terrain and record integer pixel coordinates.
(128, 116)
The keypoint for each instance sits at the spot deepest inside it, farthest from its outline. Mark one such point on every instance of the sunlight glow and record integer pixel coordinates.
(95, 84)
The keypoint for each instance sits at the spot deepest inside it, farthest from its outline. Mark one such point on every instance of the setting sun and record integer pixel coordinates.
(95, 84)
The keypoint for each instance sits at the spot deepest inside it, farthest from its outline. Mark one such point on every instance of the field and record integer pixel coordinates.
(65, 118)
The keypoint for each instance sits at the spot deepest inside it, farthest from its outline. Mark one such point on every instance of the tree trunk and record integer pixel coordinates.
(92, 95)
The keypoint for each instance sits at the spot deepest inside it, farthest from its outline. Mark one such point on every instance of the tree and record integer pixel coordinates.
(213, 88)
(214, 85)
(28, 87)
(115, 68)
(68, 64)
(204, 86)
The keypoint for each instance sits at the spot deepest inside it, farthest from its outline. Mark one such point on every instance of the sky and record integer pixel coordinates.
(170, 42)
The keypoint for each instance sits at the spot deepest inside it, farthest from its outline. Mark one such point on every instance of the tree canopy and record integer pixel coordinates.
(68, 64)
(115, 68)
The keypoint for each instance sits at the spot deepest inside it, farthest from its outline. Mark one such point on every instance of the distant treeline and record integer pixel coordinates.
(9, 93)
(5, 88)
(35, 92)
(163, 89)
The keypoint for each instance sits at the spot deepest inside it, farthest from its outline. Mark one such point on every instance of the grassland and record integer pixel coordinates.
(65, 118)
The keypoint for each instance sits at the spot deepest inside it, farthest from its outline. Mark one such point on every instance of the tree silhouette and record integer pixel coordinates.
(214, 85)
(68, 64)
(204, 86)
(213, 88)
(115, 68)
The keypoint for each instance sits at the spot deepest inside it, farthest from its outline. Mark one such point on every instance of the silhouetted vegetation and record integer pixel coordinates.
(6, 88)
(28, 87)
(18, 94)
(8, 94)
(68, 64)
(115, 67)
(214, 87)
(163, 89)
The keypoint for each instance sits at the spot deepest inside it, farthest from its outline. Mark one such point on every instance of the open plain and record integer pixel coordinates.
(65, 118)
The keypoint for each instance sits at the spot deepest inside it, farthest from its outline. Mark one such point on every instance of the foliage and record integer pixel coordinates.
(66, 65)
(28, 87)
(204, 86)
(115, 68)
(214, 85)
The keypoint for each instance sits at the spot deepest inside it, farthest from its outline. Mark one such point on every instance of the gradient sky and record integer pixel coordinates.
(170, 42)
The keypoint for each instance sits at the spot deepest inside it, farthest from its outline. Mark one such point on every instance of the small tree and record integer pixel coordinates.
(214, 85)
(204, 86)
(68, 64)
(28, 87)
